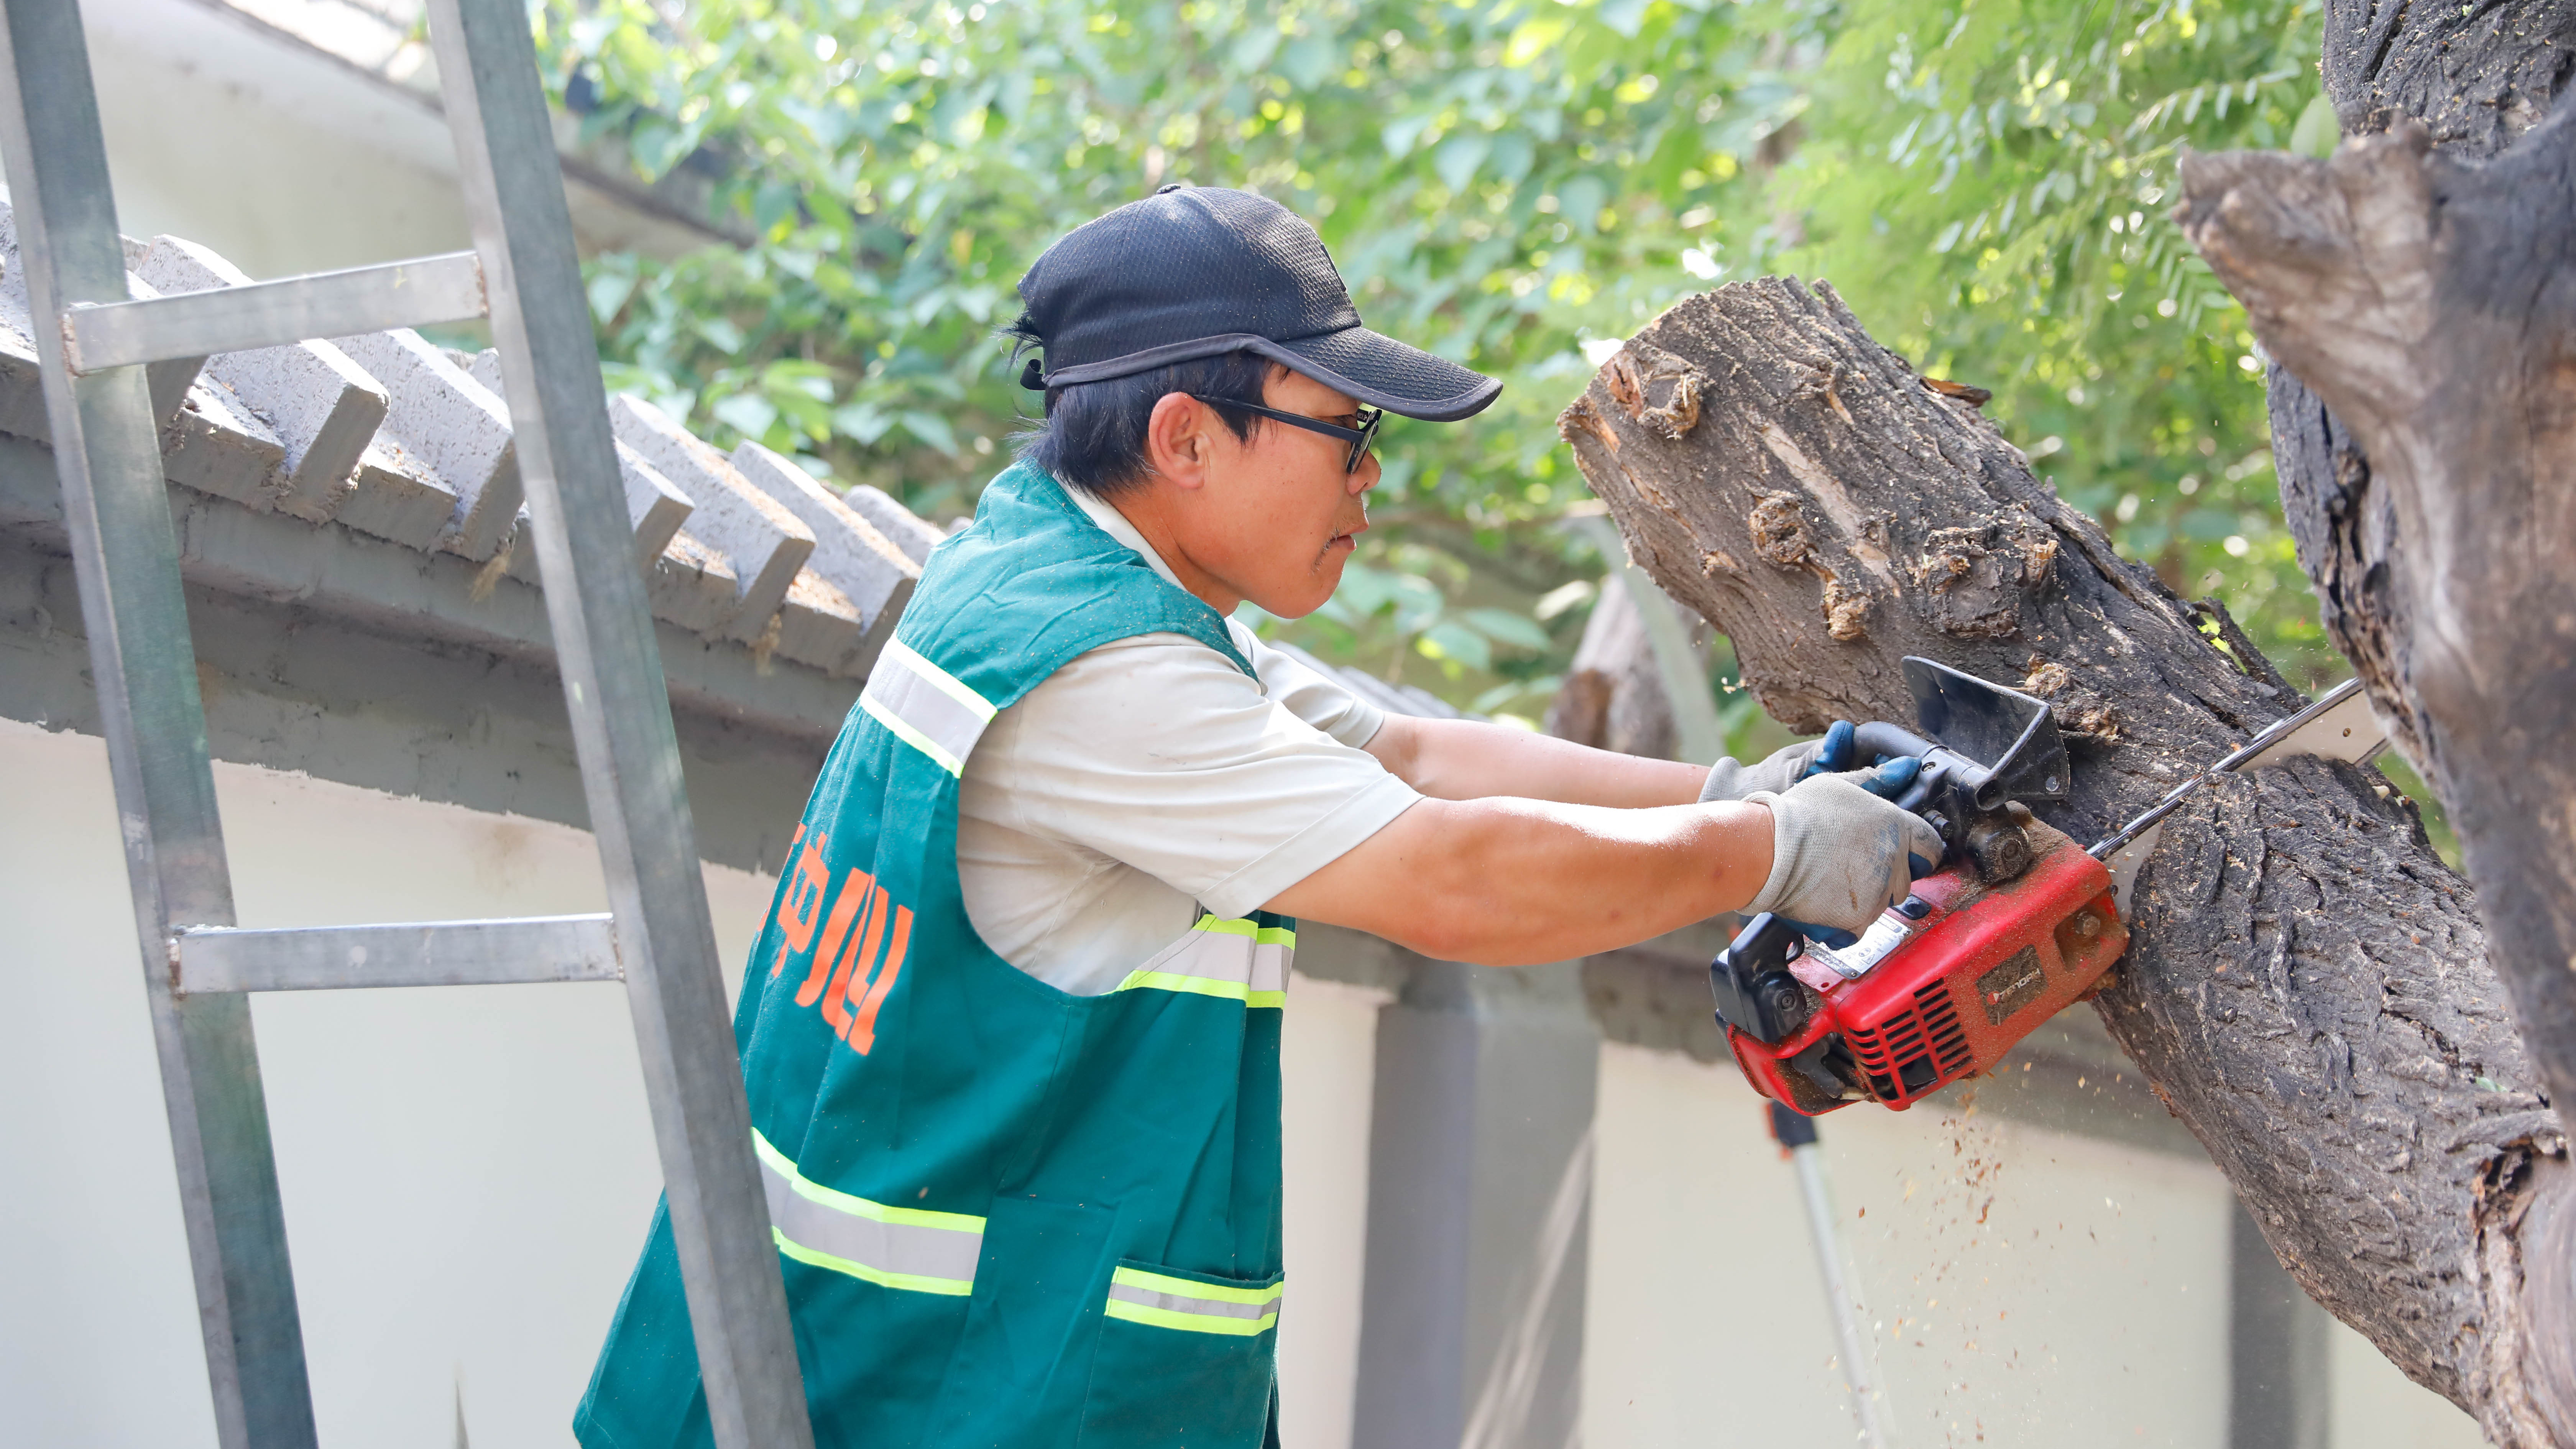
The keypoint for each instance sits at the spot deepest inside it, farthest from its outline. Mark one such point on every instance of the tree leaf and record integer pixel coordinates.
(1449, 639)
(1505, 627)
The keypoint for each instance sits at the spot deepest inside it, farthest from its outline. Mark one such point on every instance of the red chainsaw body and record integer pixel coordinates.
(1946, 995)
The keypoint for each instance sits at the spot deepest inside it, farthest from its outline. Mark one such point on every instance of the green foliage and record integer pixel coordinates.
(1990, 199)
(1502, 181)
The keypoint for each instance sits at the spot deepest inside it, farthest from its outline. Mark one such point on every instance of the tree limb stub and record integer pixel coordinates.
(2307, 987)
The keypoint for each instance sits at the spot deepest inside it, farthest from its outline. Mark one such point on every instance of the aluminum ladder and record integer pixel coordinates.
(112, 368)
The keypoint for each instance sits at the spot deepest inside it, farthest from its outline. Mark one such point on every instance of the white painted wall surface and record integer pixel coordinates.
(282, 169)
(1327, 1069)
(2025, 1288)
(2378, 1407)
(467, 1172)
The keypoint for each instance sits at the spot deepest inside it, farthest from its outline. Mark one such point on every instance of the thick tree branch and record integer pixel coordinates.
(2430, 305)
(2307, 986)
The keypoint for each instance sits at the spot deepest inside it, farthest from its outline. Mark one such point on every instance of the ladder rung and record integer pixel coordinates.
(413, 953)
(415, 293)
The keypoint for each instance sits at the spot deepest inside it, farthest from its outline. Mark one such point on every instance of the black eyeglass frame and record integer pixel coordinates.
(1360, 438)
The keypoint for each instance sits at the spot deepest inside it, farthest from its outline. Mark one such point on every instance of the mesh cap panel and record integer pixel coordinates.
(1196, 271)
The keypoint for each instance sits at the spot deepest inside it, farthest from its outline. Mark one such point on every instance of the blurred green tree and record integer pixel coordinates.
(1515, 184)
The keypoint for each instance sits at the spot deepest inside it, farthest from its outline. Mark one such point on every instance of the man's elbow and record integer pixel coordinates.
(1444, 934)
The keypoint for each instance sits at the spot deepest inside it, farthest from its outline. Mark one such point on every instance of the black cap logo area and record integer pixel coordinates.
(1196, 271)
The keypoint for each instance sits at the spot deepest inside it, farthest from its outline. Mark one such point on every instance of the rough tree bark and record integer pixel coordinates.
(2420, 309)
(2307, 987)
(2417, 293)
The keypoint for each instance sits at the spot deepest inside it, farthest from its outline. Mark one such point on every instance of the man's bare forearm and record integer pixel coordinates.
(1456, 759)
(1507, 881)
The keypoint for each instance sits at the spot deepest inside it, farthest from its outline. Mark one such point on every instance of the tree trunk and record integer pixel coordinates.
(2307, 986)
(1613, 697)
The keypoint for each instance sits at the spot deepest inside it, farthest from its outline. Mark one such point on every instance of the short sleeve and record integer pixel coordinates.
(1158, 753)
(1317, 698)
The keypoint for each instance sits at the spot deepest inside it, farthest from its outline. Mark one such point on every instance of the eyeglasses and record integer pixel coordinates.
(1360, 437)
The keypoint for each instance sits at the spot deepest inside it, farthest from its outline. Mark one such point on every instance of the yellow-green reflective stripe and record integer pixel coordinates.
(907, 1248)
(1193, 1288)
(910, 1282)
(1238, 926)
(1192, 1322)
(938, 678)
(859, 1206)
(1191, 1306)
(925, 706)
(913, 737)
(1201, 986)
(1228, 957)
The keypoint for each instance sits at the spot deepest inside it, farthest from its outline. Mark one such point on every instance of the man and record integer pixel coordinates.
(1012, 1033)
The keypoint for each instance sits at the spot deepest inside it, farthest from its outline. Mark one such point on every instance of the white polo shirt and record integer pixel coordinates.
(1150, 780)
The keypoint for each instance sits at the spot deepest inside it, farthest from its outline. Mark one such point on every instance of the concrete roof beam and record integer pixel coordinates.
(865, 567)
(907, 530)
(446, 427)
(765, 543)
(323, 407)
(210, 439)
(391, 436)
(655, 506)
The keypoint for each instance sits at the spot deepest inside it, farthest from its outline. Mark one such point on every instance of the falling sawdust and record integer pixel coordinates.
(1954, 1367)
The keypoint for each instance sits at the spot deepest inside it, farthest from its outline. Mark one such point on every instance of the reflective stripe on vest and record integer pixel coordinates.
(892, 1247)
(1185, 1303)
(1230, 957)
(927, 707)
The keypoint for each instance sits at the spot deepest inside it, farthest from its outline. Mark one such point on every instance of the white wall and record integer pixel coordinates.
(467, 1172)
(2023, 1288)
(281, 171)
(1328, 1067)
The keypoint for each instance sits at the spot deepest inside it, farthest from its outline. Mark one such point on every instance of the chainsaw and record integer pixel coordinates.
(2016, 923)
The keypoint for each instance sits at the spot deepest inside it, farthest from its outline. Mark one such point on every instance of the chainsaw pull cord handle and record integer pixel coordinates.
(1756, 993)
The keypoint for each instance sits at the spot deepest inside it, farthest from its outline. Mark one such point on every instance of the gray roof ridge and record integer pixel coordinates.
(393, 440)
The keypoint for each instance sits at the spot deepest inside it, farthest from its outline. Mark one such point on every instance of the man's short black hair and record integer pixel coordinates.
(1093, 434)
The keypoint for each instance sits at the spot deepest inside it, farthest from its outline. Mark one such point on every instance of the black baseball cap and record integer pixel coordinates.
(1197, 271)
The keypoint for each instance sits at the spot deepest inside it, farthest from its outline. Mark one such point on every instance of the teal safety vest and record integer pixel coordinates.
(1006, 1216)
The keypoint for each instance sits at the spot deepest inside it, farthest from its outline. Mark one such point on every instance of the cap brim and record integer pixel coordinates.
(1385, 373)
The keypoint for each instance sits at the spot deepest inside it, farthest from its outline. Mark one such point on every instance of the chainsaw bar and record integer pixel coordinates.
(2339, 726)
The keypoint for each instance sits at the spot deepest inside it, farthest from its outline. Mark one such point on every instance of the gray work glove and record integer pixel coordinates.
(1840, 854)
(1785, 767)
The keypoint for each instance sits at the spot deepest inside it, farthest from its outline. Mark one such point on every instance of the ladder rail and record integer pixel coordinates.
(116, 512)
(103, 409)
(621, 720)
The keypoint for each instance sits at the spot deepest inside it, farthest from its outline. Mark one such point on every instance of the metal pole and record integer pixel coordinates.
(621, 721)
(1797, 1137)
(116, 509)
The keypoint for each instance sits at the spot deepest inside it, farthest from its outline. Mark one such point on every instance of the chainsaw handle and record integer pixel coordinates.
(1879, 740)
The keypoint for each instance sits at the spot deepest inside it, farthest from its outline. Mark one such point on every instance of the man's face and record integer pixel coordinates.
(1278, 515)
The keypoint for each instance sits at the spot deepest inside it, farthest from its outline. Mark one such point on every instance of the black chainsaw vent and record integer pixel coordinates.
(1914, 1048)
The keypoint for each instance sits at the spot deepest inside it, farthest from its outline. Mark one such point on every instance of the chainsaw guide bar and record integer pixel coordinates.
(2339, 726)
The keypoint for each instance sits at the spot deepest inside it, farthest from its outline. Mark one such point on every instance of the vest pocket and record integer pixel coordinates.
(1183, 1359)
(1016, 1377)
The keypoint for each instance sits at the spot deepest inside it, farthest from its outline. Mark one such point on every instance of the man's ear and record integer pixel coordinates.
(1177, 441)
